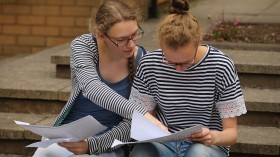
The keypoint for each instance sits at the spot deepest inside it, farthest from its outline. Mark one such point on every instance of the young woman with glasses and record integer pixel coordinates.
(103, 65)
(188, 83)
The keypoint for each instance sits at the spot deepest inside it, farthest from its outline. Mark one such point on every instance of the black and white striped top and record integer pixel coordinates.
(203, 94)
(84, 77)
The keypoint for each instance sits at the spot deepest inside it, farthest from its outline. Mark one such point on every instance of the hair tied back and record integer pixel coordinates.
(179, 7)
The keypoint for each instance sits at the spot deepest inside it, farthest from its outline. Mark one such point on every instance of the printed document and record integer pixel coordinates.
(145, 131)
(72, 132)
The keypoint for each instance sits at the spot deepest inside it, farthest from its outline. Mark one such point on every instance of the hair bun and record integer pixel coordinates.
(179, 7)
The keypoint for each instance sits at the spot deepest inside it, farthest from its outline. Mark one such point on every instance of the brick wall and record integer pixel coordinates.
(28, 26)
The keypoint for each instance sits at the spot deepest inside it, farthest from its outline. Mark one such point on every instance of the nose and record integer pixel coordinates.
(130, 43)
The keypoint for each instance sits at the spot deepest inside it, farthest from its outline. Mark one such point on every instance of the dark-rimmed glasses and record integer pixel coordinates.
(183, 65)
(124, 41)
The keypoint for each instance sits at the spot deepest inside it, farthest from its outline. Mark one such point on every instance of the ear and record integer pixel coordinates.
(99, 34)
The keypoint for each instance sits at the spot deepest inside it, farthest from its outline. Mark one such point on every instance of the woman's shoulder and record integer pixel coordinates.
(219, 55)
(85, 38)
(221, 59)
(157, 52)
(152, 57)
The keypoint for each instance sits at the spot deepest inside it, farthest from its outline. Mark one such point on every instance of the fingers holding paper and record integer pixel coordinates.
(205, 137)
(75, 147)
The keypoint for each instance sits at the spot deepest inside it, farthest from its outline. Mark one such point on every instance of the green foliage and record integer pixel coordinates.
(222, 30)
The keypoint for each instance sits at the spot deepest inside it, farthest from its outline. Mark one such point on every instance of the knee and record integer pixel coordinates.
(144, 150)
(197, 149)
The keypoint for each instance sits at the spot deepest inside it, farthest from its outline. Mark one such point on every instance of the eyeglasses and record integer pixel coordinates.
(124, 41)
(182, 65)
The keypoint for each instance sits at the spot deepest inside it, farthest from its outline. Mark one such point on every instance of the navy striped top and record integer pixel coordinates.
(202, 94)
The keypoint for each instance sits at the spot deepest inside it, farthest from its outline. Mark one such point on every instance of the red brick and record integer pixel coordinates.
(76, 11)
(16, 49)
(31, 1)
(45, 10)
(13, 29)
(89, 2)
(8, 2)
(45, 30)
(72, 32)
(17, 9)
(81, 21)
(60, 21)
(53, 41)
(31, 20)
(7, 19)
(61, 2)
(7, 39)
(31, 40)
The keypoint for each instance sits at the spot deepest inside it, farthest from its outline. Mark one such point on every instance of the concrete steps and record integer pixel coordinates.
(258, 140)
(14, 138)
(34, 89)
(257, 69)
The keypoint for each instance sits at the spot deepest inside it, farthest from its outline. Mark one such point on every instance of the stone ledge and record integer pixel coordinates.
(260, 62)
(14, 155)
(258, 140)
(61, 57)
(246, 61)
(9, 130)
(32, 76)
(262, 100)
(245, 46)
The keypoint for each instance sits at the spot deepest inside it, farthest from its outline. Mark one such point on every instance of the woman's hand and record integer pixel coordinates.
(228, 136)
(77, 148)
(205, 136)
(155, 121)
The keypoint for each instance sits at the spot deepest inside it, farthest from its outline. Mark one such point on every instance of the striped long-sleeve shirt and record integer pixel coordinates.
(203, 94)
(84, 76)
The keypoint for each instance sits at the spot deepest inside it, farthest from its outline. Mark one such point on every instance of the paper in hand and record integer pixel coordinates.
(72, 132)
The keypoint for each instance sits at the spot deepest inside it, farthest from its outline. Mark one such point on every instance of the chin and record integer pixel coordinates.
(128, 54)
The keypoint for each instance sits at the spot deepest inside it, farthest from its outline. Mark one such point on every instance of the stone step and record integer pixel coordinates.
(245, 46)
(263, 107)
(14, 155)
(62, 62)
(29, 84)
(257, 140)
(263, 104)
(14, 138)
(40, 94)
(252, 140)
(255, 68)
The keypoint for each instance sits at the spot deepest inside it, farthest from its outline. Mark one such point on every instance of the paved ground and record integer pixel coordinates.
(251, 11)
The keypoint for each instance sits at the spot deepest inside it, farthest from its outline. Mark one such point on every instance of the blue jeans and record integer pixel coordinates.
(176, 149)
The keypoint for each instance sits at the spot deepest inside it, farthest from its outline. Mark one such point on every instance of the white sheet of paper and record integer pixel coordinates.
(143, 129)
(149, 132)
(48, 142)
(75, 131)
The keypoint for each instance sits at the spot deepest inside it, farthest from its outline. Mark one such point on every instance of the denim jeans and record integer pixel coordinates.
(176, 149)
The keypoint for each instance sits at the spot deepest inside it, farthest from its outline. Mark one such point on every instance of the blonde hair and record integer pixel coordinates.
(179, 28)
(110, 13)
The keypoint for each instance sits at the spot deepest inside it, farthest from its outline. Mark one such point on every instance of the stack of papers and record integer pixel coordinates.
(145, 131)
(72, 132)
(142, 130)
